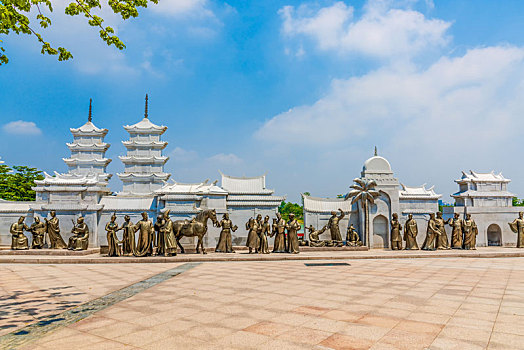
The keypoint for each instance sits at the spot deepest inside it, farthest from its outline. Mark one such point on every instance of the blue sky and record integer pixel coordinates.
(300, 90)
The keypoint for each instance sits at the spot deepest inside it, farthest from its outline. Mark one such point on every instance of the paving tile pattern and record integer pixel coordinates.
(449, 303)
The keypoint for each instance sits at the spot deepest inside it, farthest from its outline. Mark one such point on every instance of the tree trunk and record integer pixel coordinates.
(366, 223)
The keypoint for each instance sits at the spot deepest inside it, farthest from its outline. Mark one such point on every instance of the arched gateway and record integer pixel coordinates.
(380, 232)
(494, 235)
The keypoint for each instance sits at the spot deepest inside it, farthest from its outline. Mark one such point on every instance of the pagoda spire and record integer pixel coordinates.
(376, 153)
(145, 113)
(90, 117)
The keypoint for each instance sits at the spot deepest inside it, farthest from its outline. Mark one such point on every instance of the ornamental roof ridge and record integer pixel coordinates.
(420, 191)
(474, 176)
(242, 177)
(89, 129)
(145, 125)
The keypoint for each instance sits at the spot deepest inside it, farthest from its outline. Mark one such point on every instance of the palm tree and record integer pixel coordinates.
(364, 191)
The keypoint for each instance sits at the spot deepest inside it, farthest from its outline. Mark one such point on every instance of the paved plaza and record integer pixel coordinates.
(427, 303)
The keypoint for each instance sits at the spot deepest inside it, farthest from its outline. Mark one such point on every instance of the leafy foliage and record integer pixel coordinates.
(287, 208)
(518, 202)
(14, 19)
(17, 185)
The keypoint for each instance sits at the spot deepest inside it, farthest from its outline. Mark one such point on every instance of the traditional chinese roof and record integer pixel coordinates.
(418, 192)
(245, 185)
(325, 205)
(132, 144)
(97, 147)
(14, 206)
(482, 177)
(143, 176)
(143, 159)
(145, 127)
(69, 179)
(90, 160)
(483, 194)
(88, 129)
(178, 188)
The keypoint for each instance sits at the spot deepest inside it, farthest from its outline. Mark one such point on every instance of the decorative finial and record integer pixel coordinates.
(145, 113)
(90, 117)
(376, 154)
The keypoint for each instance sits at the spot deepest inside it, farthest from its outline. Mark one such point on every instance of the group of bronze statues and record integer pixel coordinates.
(47, 234)
(260, 229)
(352, 237)
(463, 236)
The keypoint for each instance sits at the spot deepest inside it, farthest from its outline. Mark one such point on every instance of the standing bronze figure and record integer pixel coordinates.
(159, 241)
(517, 226)
(470, 233)
(168, 232)
(314, 236)
(457, 232)
(292, 227)
(128, 236)
(352, 237)
(80, 238)
(225, 244)
(144, 246)
(410, 233)
(38, 231)
(19, 241)
(112, 239)
(333, 225)
(253, 241)
(266, 229)
(396, 233)
(279, 231)
(442, 237)
(431, 234)
(53, 232)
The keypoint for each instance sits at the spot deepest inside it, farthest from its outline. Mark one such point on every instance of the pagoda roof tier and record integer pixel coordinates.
(145, 127)
(94, 161)
(88, 129)
(97, 147)
(72, 180)
(145, 144)
(471, 193)
(481, 177)
(143, 160)
(130, 177)
(191, 188)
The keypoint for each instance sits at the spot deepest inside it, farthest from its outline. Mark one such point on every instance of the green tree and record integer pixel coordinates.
(14, 19)
(287, 208)
(518, 202)
(17, 185)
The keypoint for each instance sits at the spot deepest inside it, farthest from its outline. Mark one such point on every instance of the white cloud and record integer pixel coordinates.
(382, 31)
(198, 8)
(228, 158)
(21, 127)
(182, 155)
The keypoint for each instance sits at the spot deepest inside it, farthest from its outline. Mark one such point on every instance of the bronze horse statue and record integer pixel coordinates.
(196, 227)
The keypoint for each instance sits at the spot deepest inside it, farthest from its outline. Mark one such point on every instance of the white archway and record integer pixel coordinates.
(380, 232)
(494, 235)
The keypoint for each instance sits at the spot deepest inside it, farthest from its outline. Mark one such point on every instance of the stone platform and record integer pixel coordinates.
(97, 258)
(49, 252)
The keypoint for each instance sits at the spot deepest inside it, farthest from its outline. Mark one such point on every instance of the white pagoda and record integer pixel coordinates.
(144, 162)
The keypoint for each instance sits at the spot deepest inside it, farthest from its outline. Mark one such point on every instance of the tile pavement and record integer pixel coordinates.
(452, 303)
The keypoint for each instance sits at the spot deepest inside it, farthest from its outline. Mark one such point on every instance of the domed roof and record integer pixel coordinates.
(376, 164)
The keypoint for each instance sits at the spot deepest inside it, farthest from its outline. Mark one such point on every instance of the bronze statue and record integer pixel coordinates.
(334, 228)
(19, 241)
(253, 241)
(517, 226)
(352, 237)
(112, 238)
(470, 233)
(442, 237)
(314, 239)
(38, 231)
(80, 238)
(196, 228)
(431, 234)
(167, 231)
(292, 227)
(144, 246)
(128, 236)
(266, 229)
(396, 233)
(53, 232)
(159, 241)
(457, 232)
(225, 244)
(410, 233)
(279, 231)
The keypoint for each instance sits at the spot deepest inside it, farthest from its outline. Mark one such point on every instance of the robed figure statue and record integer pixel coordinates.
(160, 241)
(470, 233)
(128, 236)
(225, 242)
(253, 241)
(431, 234)
(396, 233)
(279, 231)
(80, 238)
(266, 229)
(457, 232)
(410, 233)
(169, 235)
(334, 228)
(442, 237)
(517, 226)
(146, 235)
(19, 241)
(292, 227)
(112, 239)
(53, 232)
(37, 228)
